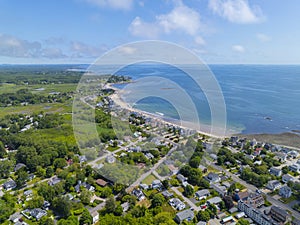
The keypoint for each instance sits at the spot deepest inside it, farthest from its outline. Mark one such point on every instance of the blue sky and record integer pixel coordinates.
(219, 31)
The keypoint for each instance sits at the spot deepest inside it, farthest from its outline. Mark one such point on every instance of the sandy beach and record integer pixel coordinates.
(202, 128)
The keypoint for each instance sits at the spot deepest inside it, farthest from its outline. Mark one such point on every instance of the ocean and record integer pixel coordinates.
(258, 98)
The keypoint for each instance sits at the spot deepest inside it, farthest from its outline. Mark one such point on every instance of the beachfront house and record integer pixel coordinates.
(273, 185)
(285, 191)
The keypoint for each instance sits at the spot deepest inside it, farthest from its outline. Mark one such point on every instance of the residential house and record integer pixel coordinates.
(110, 159)
(222, 190)
(82, 158)
(85, 185)
(294, 168)
(294, 154)
(214, 201)
(139, 194)
(241, 196)
(125, 206)
(203, 168)
(187, 215)
(181, 178)
(177, 204)
(144, 186)
(19, 166)
(286, 178)
(9, 185)
(21, 223)
(16, 217)
(28, 193)
(46, 205)
(38, 213)
(281, 156)
(202, 194)
(167, 194)
(275, 171)
(213, 178)
(95, 216)
(285, 191)
(101, 182)
(278, 214)
(156, 184)
(273, 185)
(53, 181)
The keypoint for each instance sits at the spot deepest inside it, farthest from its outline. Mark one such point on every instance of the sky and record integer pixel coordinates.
(218, 31)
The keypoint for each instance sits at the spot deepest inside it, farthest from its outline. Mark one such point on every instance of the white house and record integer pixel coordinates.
(285, 191)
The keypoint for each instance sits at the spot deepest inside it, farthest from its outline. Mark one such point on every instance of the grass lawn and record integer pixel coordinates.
(167, 208)
(288, 200)
(148, 180)
(111, 148)
(45, 107)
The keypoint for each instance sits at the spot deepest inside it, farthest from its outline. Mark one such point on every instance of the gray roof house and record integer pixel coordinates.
(286, 178)
(202, 194)
(222, 190)
(15, 217)
(273, 185)
(38, 213)
(285, 191)
(184, 215)
(275, 171)
(9, 185)
(53, 181)
(214, 200)
(213, 177)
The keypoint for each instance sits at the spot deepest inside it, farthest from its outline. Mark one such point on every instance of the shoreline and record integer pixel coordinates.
(287, 139)
(116, 97)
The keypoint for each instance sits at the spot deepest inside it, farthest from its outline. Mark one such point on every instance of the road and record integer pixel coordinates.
(143, 176)
(253, 188)
(94, 162)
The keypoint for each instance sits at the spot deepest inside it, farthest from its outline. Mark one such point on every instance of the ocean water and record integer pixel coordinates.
(259, 98)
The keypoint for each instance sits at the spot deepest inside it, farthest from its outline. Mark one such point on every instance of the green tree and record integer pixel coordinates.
(36, 202)
(188, 191)
(203, 216)
(86, 218)
(158, 200)
(195, 161)
(243, 221)
(2, 150)
(22, 177)
(47, 191)
(110, 205)
(5, 168)
(46, 221)
(59, 163)
(49, 171)
(62, 206)
(85, 196)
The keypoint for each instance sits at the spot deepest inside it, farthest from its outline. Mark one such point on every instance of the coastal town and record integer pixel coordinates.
(184, 177)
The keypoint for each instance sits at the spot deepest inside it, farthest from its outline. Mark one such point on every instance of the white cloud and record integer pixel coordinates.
(52, 53)
(238, 48)
(236, 11)
(180, 18)
(127, 50)
(115, 4)
(263, 37)
(80, 49)
(14, 47)
(140, 28)
(199, 40)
